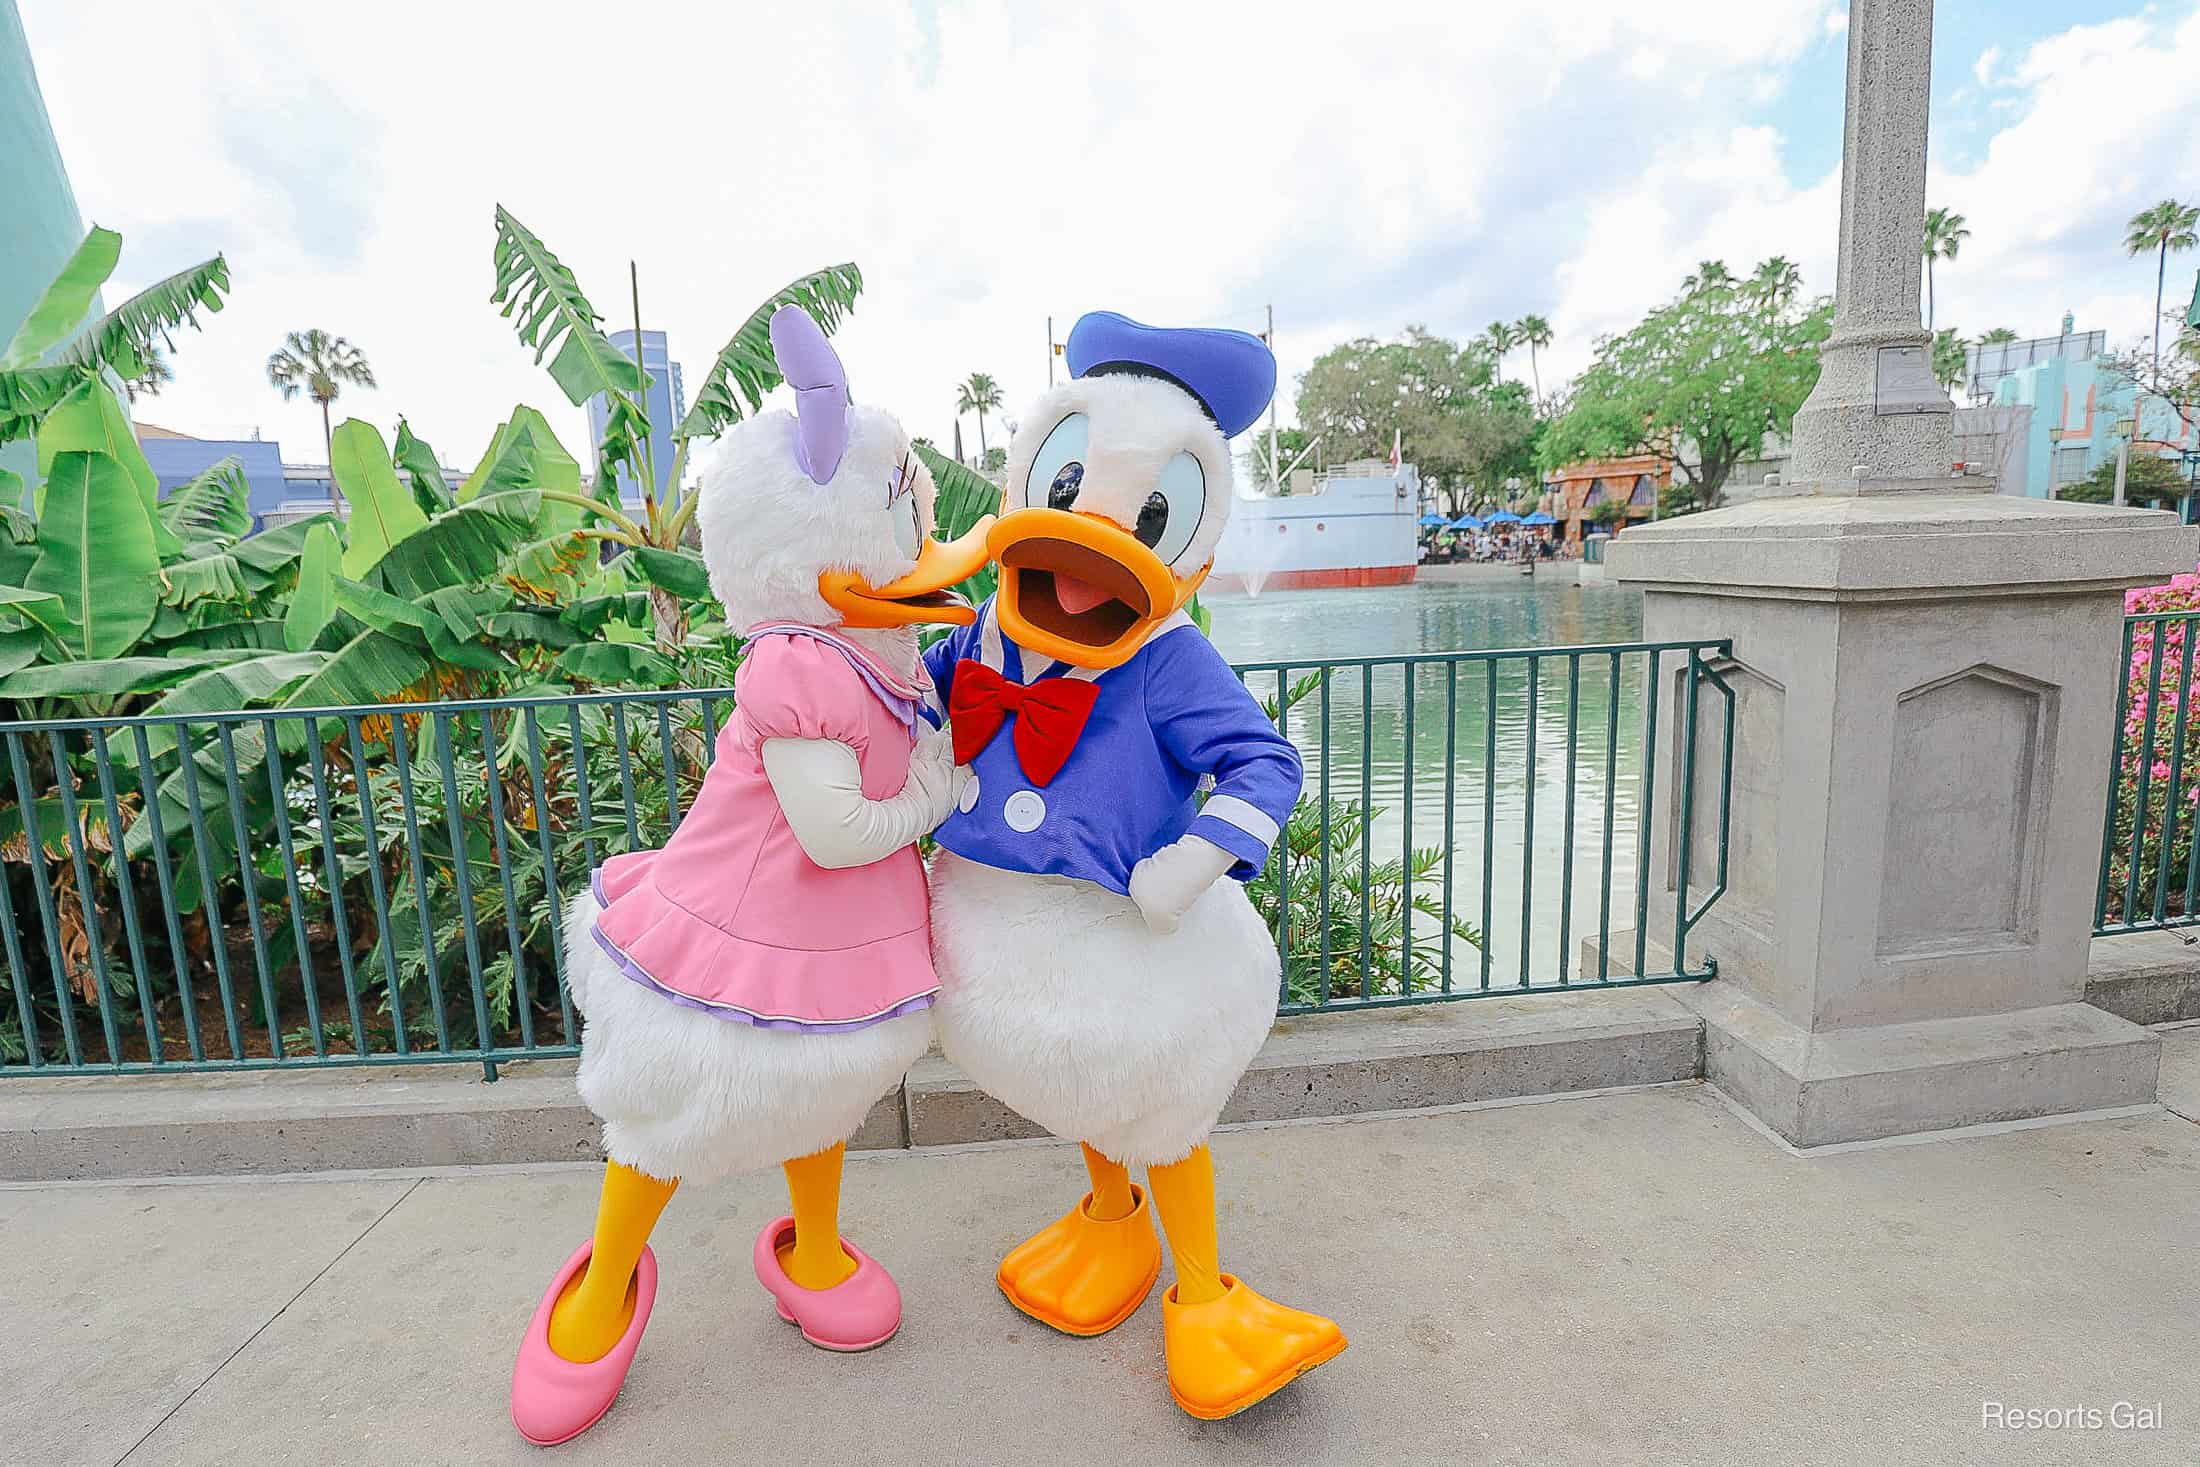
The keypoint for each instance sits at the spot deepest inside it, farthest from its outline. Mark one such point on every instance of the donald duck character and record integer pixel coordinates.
(751, 988)
(1102, 971)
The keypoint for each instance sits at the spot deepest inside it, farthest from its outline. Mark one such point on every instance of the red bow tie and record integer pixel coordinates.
(1050, 715)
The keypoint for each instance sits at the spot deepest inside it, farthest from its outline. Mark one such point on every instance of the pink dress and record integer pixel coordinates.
(731, 916)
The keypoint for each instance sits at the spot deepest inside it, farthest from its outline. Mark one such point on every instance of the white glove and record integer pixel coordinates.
(819, 785)
(1166, 883)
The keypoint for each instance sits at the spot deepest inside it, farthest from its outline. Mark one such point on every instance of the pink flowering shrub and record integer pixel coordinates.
(2168, 763)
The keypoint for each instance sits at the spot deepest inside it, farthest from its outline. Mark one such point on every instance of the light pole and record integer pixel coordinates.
(2055, 437)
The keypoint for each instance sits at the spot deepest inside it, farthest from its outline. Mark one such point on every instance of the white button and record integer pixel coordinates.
(969, 796)
(1024, 811)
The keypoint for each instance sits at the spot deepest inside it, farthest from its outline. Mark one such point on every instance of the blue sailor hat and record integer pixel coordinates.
(1231, 374)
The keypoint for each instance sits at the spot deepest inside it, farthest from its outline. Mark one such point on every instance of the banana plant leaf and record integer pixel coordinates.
(96, 554)
(383, 513)
(465, 544)
(218, 689)
(368, 666)
(27, 395)
(549, 570)
(313, 602)
(679, 571)
(745, 369)
(377, 608)
(212, 507)
(551, 314)
(66, 301)
(273, 551)
(124, 338)
(91, 418)
(964, 497)
(422, 469)
(535, 626)
(20, 647)
(588, 615)
(215, 576)
(112, 677)
(620, 663)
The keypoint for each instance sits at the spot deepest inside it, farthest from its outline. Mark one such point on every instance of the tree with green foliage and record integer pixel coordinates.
(979, 394)
(1950, 357)
(318, 364)
(1711, 371)
(1998, 336)
(2150, 481)
(1945, 232)
(1290, 443)
(2167, 227)
(1463, 430)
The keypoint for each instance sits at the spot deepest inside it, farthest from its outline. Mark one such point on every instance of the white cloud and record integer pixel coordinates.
(2092, 125)
(1983, 68)
(988, 164)
(991, 163)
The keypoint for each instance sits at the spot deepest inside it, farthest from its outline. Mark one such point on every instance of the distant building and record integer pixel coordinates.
(1572, 494)
(178, 458)
(39, 226)
(666, 404)
(2078, 406)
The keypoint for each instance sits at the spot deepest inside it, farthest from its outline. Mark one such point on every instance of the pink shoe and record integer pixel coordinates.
(554, 1399)
(861, 1312)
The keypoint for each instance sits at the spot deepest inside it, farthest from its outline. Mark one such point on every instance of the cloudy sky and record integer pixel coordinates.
(1359, 166)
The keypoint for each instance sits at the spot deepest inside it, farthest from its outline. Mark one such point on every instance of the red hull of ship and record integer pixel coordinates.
(1305, 580)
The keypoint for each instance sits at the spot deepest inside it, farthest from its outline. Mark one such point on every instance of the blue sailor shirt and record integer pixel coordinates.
(1171, 717)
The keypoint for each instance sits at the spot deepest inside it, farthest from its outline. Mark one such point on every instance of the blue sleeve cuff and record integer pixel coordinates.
(1250, 850)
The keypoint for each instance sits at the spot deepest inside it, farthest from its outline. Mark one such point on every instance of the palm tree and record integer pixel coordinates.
(1998, 335)
(980, 395)
(1710, 274)
(319, 364)
(1500, 338)
(2165, 227)
(148, 383)
(1533, 332)
(1944, 236)
(1777, 279)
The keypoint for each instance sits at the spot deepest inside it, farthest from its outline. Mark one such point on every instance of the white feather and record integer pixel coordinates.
(1057, 999)
(687, 1095)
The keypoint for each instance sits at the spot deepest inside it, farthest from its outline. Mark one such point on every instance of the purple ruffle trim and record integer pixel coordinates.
(730, 1013)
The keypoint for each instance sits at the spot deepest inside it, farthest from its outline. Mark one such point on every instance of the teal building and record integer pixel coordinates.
(2082, 410)
(39, 224)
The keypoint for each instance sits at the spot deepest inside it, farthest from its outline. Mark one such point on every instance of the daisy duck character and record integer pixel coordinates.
(1102, 970)
(751, 988)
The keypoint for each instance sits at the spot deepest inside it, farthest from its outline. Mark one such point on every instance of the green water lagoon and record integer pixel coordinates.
(1529, 771)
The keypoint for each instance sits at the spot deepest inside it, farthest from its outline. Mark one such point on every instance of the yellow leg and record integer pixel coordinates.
(1227, 1345)
(596, 1308)
(1184, 1195)
(815, 1260)
(1112, 1197)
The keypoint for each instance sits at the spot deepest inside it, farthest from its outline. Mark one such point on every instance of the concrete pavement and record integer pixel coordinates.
(1629, 1277)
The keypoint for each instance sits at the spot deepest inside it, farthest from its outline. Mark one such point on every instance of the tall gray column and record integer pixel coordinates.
(1876, 405)
(1925, 677)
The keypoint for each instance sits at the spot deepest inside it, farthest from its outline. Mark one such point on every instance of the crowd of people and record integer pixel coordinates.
(1493, 545)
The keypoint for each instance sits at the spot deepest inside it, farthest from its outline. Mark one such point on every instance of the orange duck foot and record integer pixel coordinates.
(1230, 1352)
(1082, 1276)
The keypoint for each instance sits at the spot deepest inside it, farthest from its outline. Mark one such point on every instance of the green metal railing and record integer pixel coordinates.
(2150, 873)
(383, 885)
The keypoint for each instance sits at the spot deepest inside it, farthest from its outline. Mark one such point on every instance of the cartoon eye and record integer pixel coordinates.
(1058, 469)
(1170, 517)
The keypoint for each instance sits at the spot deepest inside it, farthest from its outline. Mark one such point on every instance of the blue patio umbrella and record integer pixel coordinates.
(1464, 522)
(1539, 518)
(1432, 521)
(1504, 517)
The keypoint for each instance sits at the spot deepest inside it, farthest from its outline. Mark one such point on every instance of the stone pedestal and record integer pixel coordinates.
(1925, 684)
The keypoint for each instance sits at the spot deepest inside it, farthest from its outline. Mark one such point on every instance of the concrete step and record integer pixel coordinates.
(446, 1115)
